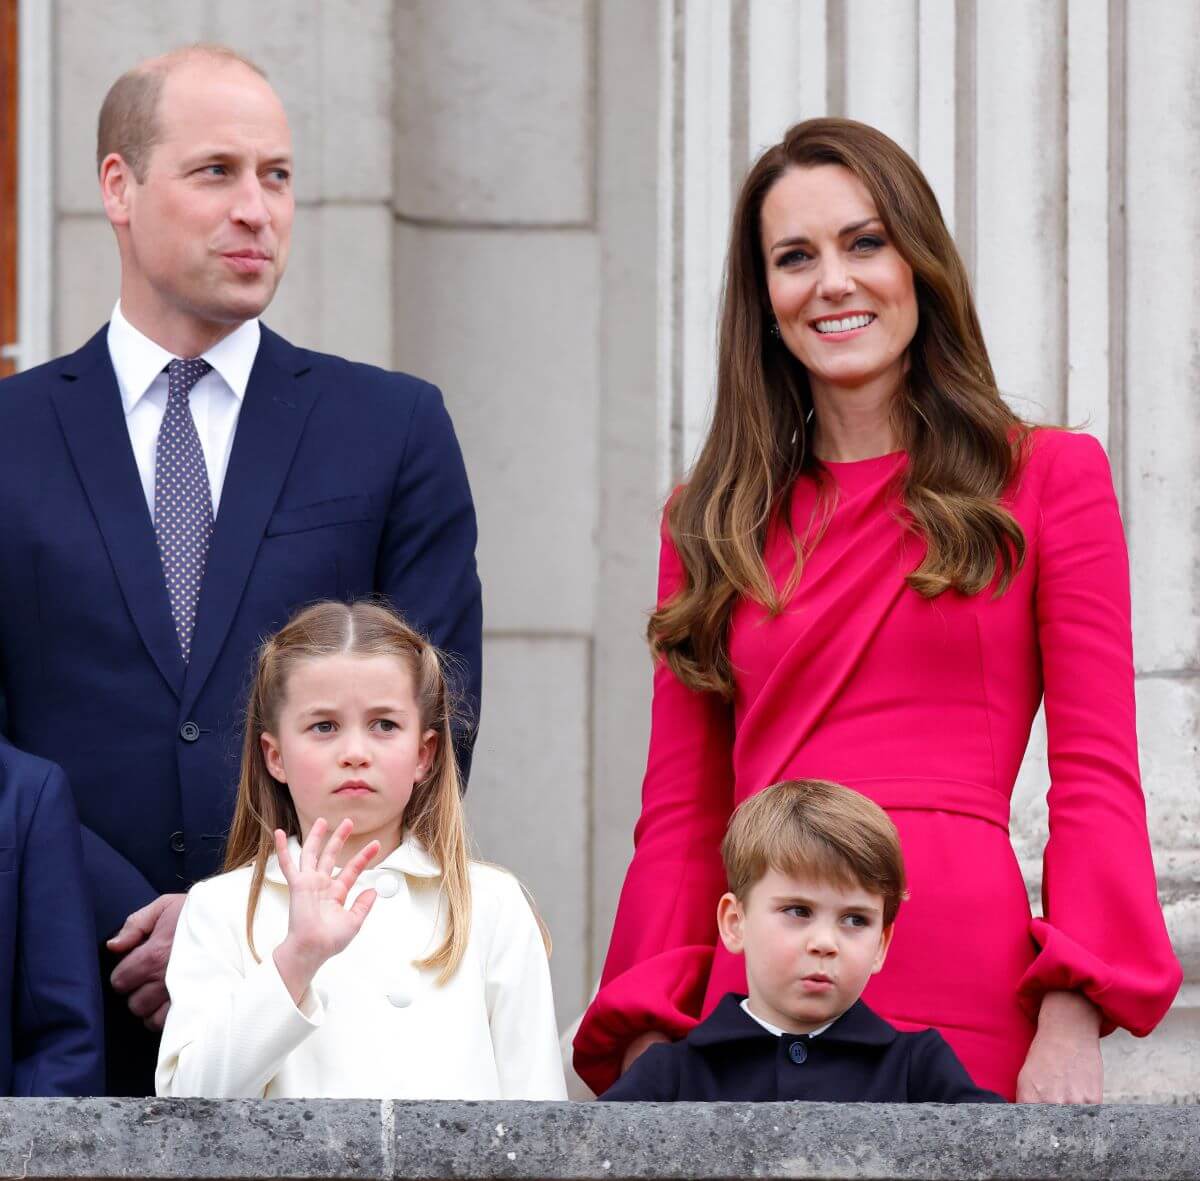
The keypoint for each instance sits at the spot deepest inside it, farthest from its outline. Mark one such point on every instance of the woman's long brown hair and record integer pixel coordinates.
(434, 814)
(964, 444)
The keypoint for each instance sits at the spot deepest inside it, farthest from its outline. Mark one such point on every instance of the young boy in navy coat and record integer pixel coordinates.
(815, 881)
(51, 1031)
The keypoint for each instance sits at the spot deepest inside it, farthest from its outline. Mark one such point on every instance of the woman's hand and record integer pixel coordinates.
(640, 1045)
(1063, 1064)
(319, 924)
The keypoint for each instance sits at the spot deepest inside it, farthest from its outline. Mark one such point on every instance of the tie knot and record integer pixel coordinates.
(183, 373)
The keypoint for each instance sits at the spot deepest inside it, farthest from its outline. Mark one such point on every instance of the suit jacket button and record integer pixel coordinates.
(798, 1053)
(177, 843)
(189, 731)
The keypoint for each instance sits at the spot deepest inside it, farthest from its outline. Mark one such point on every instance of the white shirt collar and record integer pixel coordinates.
(410, 857)
(775, 1028)
(138, 360)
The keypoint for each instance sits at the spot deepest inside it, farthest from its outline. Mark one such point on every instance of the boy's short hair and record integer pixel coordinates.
(815, 828)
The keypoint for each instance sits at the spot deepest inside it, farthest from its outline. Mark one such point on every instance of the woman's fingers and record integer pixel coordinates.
(328, 857)
(357, 864)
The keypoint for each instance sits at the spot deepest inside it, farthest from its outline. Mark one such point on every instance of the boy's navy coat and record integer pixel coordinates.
(859, 1058)
(51, 1040)
(344, 480)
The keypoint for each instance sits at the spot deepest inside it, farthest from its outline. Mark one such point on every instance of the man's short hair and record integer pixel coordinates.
(813, 828)
(129, 114)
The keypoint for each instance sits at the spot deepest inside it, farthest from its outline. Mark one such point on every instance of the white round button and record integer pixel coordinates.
(387, 885)
(400, 997)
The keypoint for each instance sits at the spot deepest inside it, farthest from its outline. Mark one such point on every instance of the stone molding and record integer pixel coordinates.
(382, 1141)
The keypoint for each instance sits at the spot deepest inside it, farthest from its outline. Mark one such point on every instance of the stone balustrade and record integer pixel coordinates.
(196, 1138)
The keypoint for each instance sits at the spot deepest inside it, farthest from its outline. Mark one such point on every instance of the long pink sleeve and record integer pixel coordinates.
(1103, 933)
(663, 937)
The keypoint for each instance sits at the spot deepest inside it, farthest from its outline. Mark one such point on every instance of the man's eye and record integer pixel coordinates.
(214, 169)
(280, 175)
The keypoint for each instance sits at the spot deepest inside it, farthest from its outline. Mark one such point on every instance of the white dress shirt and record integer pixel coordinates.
(371, 1024)
(216, 399)
(775, 1028)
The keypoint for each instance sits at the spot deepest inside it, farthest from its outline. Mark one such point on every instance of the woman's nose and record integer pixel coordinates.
(834, 280)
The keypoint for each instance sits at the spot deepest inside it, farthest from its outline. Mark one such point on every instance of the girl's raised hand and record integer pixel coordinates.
(319, 922)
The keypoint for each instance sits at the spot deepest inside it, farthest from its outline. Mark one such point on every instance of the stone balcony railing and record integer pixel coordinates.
(195, 1138)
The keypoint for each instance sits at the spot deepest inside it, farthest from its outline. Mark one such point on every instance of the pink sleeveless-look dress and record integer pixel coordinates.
(924, 705)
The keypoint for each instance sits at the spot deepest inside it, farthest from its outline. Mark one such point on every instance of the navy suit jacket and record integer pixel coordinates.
(344, 480)
(51, 1030)
(859, 1058)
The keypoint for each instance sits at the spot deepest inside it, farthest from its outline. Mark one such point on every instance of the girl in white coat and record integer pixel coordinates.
(351, 949)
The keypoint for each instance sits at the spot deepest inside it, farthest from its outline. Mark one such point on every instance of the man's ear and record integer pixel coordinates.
(117, 183)
(885, 941)
(272, 757)
(730, 919)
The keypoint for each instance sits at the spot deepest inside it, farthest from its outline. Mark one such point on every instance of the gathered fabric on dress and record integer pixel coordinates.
(925, 706)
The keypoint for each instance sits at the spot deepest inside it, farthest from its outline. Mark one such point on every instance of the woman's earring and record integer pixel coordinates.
(774, 329)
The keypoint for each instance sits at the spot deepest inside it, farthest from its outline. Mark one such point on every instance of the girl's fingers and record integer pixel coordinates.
(356, 865)
(283, 855)
(333, 846)
(362, 907)
(311, 848)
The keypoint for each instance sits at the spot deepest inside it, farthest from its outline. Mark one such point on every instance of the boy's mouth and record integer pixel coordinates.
(816, 982)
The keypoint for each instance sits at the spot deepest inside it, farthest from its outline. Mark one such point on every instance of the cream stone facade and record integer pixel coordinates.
(526, 201)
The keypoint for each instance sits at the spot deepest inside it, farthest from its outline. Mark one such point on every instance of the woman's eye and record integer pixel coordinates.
(792, 258)
(867, 243)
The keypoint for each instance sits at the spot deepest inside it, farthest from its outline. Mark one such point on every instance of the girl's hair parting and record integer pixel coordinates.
(434, 814)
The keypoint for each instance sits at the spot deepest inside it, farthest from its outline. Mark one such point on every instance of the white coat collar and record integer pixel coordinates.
(410, 857)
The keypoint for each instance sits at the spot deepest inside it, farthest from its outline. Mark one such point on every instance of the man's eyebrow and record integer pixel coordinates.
(852, 228)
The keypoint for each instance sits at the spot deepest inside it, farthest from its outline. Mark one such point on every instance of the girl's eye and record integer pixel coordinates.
(387, 725)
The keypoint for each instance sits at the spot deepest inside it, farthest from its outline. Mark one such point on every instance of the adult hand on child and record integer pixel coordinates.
(144, 942)
(1064, 1064)
(319, 922)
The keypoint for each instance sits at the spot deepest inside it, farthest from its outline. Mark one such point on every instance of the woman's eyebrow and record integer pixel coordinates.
(801, 240)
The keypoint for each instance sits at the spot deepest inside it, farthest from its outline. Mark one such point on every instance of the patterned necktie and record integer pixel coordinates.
(183, 516)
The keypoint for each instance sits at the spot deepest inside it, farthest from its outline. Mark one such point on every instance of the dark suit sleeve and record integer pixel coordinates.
(427, 558)
(653, 1078)
(936, 1075)
(115, 886)
(57, 1035)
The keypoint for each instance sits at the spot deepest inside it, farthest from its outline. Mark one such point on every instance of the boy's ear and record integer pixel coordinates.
(729, 923)
(885, 942)
(271, 756)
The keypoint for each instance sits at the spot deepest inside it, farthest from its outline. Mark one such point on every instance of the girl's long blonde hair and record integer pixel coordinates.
(434, 814)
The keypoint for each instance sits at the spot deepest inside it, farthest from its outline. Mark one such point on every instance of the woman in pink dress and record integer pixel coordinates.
(874, 574)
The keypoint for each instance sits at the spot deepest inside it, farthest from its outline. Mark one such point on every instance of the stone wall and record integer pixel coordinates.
(372, 1141)
(526, 201)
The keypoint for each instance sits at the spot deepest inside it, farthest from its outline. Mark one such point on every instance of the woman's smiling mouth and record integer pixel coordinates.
(845, 325)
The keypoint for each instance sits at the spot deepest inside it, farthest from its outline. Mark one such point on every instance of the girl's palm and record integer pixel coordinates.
(319, 921)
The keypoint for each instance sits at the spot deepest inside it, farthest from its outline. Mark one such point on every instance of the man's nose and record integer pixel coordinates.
(251, 206)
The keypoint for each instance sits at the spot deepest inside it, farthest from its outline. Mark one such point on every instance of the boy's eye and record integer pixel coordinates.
(857, 920)
(322, 727)
(800, 912)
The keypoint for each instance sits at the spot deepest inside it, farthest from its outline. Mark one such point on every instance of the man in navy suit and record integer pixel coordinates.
(175, 489)
(50, 1025)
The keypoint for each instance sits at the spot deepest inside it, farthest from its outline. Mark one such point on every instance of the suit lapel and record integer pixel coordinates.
(88, 404)
(269, 426)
